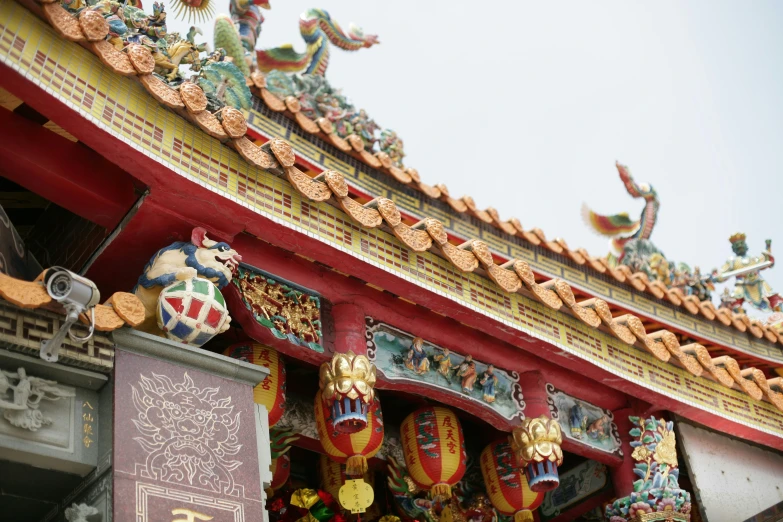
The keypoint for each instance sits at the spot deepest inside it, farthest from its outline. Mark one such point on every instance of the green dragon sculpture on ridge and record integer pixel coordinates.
(239, 33)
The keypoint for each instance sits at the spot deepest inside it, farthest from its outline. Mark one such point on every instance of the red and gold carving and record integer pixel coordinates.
(536, 445)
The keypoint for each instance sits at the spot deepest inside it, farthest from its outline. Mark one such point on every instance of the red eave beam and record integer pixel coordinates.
(66, 173)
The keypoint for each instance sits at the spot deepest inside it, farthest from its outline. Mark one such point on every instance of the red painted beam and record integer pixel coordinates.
(66, 173)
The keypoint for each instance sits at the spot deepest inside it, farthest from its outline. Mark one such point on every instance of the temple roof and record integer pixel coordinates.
(468, 255)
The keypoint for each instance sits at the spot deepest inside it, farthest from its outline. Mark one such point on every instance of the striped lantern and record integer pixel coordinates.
(351, 449)
(507, 485)
(281, 470)
(271, 391)
(434, 449)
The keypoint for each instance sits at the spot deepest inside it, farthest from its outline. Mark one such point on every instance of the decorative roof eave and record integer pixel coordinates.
(277, 157)
(516, 276)
(466, 205)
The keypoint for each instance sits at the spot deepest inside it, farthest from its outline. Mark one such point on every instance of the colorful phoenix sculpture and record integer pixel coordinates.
(619, 226)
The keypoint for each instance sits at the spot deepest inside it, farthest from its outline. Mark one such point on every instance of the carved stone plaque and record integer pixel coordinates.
(185, 446)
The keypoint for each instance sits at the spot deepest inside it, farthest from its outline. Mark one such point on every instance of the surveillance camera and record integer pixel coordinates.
(68, 288)
(77, 295)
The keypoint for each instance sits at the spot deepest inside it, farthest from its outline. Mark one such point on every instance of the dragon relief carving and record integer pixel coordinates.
(188, 435)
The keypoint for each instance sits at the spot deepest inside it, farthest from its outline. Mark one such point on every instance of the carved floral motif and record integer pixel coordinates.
(288, 313)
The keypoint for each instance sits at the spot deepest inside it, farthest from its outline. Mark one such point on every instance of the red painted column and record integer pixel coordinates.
(534, 394)
(349, 328)
(623, 476)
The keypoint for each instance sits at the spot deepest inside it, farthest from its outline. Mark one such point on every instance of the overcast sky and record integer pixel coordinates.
(526, 106)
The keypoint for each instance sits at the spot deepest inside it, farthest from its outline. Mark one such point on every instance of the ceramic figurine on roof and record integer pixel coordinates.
(238, 33)
(749, 286)
(657, 494)
(619, 226)
(317, 29)
(172, 279)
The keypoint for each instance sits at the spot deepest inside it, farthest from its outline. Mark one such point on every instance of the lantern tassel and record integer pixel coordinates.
(523, 515)
(441, 490)
(356, 466)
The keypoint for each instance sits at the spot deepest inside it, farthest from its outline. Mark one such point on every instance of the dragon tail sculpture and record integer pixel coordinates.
(620, 227)
(317, 29)
(238, 33)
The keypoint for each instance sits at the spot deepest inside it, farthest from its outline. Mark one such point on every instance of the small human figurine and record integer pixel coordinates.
(577, 420)
(417, 360)
(444, 364)
(749, 285)
(600, 428)
(488, 381)
(467, 372)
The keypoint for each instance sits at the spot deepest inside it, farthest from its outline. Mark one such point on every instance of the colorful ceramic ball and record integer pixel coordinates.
(192, 311)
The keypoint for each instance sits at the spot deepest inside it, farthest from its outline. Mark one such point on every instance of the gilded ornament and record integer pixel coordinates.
(538, 440)
(233, 122)
(94, 25)
(192, 95)
(641, 454)
(288, 313)
(666, 451)
(348, 375)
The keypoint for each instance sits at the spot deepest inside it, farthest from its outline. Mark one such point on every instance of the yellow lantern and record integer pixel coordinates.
(434, 449)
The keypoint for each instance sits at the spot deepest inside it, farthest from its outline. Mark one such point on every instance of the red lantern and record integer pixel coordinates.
(270, 392)
(351, 449)
(506, 485)
(434, 449)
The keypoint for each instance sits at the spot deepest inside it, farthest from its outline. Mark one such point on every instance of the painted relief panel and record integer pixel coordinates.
(583, 422)
(576, 485)
(399, 356)
(288, 312)
(185, 445)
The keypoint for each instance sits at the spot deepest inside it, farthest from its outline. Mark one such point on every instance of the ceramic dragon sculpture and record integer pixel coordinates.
(620, 227)
(238, 34)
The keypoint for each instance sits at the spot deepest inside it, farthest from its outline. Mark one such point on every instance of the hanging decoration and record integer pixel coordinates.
(333, 475)
(351, 449)
(347, 383)
(536, 445)
(270, 392)
(434, 449)
(506, 485)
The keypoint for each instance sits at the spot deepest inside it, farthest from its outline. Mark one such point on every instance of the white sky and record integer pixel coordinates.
(526, 106)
